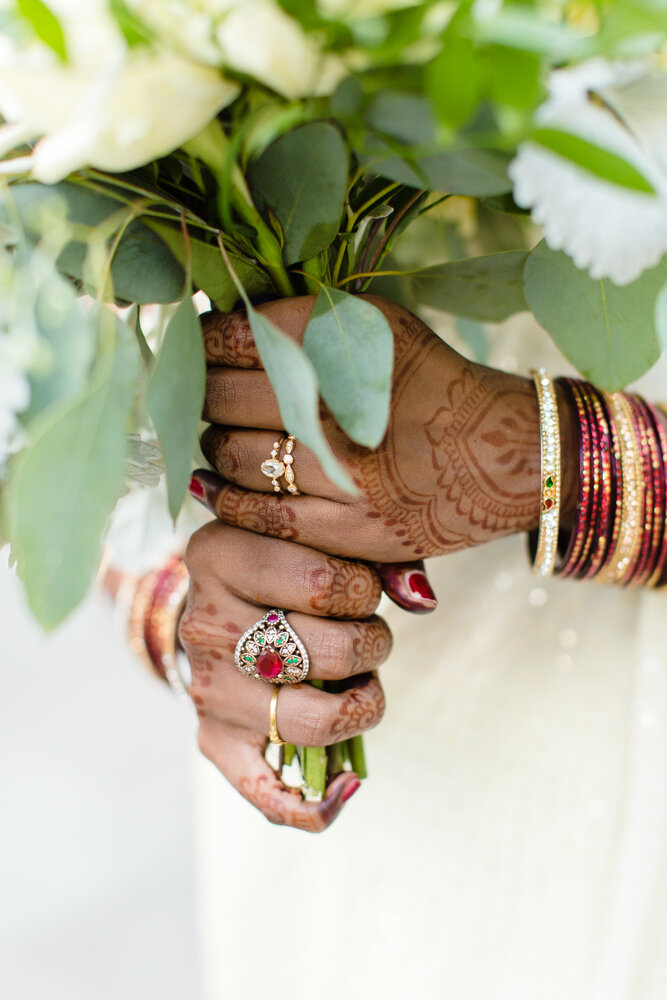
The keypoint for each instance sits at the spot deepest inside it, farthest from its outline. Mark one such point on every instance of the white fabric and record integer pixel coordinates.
(511, 841)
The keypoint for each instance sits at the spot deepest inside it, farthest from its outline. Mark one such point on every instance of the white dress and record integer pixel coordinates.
(511, 840)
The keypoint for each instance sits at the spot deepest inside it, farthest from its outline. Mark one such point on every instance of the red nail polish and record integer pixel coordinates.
(420, 586)
(197, 489)
(351, 789)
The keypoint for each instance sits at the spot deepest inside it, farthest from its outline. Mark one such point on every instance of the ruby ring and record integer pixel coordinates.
(272, 651)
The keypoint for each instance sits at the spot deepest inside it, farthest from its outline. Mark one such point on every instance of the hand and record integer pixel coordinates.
(235, 577)
(459, 464)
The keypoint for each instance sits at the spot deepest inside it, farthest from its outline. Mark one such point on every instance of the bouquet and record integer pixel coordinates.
(478, 158)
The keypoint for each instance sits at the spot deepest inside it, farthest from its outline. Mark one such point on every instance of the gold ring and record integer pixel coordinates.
(273, 467)
(287, 462)
(273, 721)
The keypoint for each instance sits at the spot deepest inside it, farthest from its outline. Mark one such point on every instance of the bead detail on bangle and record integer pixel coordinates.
(547, 538)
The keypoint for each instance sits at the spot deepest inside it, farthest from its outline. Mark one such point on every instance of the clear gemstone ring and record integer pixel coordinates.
(272, 651)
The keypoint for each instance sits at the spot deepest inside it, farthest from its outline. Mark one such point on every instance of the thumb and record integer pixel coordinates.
(407, 585)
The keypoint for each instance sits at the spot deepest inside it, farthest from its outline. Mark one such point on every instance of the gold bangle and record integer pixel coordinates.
(550, 474)
(630, 531)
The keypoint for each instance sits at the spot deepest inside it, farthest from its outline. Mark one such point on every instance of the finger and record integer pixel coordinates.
(240, 757)
(241, 398)
(238, 456)
(278, 574)
(310, 520)
(407, 585)
(336, 650)
(228, 339)
(306, 716)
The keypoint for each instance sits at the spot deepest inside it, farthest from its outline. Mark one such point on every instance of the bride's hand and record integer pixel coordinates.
(235, 577)
(459, 464)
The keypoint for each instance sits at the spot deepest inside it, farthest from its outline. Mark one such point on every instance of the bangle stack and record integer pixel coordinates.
(156, 607)
(619, 534)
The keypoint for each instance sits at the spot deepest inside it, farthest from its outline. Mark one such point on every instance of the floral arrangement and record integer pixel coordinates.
(255, 149)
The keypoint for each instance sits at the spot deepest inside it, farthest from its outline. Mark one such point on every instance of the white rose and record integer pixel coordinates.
(254, 37)
(109, 106)
(612, 231)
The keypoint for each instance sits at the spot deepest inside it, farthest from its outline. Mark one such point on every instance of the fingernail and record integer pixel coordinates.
(197, 489)
(406, 584)
(421, 588)
(351, 789)
(205, 487)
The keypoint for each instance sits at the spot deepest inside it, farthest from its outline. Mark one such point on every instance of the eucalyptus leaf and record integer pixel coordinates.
(351, 346)
(488, 289)
(661, 316)
(175, 398)
(302, 179)
(607, 332)
(143, 269)
(294, 382)
(473, 172)
(64, 485)
(209, 272)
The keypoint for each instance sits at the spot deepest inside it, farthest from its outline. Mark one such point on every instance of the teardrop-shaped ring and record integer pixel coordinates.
(272, 651)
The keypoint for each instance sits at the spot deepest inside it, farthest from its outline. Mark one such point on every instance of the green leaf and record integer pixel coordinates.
(606, 331)
(594, 159)
(209, 272)
(302, 179)
(488, 289)
(143, 269)
(453, 80)
(67, 329)
(46, 25)
(351, 346)
(474, 172)
(64, 485)
(175, 398)
(134, 30)
(294, 382)
(661, 316)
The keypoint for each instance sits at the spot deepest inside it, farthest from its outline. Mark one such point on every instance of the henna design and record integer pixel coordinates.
(371, 644)
(228, 340)
(262, 513)
(285, 807)
(483, 445)
(344, 589)
(361, 709)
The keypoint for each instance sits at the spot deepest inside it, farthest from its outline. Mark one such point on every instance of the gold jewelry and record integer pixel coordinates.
(270, 650)
(273, 467)
(158, 602)
(550, 474)
(274, 736)
(288, 462)
(630, 532)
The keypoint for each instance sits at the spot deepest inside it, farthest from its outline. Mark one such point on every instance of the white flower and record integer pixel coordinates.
(109, 106)
(254, 37)
(612, 231)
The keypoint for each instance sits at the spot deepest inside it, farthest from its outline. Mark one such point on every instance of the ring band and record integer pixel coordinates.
(273, 467)
(272, 651)
(288, 465)
(274, 735)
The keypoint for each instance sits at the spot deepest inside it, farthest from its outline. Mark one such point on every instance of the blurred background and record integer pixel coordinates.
(96, 831)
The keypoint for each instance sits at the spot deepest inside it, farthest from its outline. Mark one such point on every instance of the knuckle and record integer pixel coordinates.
(313, 724)
(221, 394)
(234, 456)
(333, 651)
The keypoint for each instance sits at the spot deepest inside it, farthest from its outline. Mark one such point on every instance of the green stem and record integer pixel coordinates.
(357, 756)
(268, 247)
(336, 758)
(289, 750)
(314, 769)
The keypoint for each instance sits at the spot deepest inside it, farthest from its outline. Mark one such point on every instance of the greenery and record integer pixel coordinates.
(365, 188)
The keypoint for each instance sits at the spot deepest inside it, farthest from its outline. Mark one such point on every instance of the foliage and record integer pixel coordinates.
(389, 171)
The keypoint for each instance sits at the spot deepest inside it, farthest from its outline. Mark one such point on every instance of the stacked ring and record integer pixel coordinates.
(278, 466)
